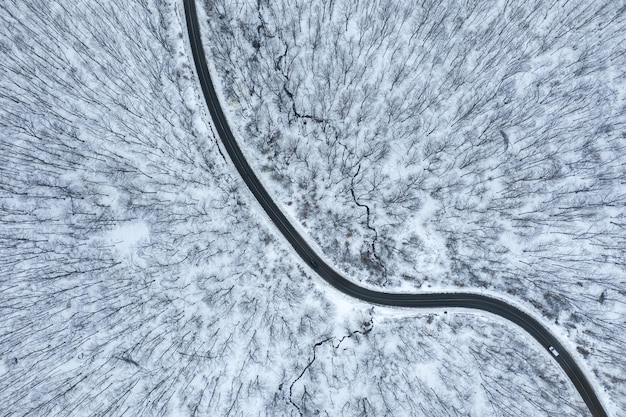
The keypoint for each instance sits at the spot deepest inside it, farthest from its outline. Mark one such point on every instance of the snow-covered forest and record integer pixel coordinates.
(139, 277)
(476, 145)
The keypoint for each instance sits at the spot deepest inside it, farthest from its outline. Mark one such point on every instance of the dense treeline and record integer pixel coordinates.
(134, 279)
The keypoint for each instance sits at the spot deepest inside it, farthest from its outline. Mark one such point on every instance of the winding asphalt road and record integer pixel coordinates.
(430, 300)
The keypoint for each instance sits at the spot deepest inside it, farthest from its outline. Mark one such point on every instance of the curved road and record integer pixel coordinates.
(445, 300)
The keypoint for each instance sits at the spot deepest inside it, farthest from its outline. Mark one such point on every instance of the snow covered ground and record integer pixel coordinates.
(444, 145)
(138, 276)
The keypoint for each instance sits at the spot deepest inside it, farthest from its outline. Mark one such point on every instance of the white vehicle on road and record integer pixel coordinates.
(553, 351)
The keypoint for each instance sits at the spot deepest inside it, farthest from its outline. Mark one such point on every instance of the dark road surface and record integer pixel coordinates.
(445, 300)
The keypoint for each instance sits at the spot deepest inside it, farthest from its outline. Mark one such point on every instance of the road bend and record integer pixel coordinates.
(334, 278)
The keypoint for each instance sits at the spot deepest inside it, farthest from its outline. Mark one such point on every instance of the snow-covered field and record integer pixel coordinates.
(138, 276)
(475, 145)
